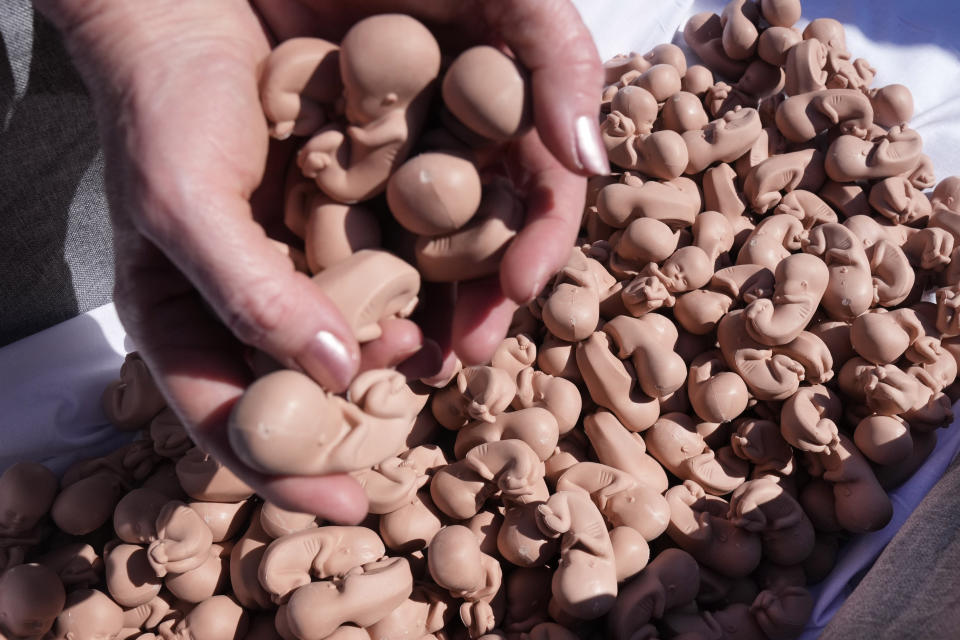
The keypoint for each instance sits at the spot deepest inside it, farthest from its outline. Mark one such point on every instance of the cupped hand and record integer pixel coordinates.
(196, 193)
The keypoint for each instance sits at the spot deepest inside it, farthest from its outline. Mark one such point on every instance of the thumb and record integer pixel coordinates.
(550, 39)
(256, 292)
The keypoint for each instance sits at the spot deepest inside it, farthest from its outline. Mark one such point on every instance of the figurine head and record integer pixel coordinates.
(135, 518)
(454, 560)
(217, 618)
(88, 615)
(27, 491)
(31, 598)
(386, 62)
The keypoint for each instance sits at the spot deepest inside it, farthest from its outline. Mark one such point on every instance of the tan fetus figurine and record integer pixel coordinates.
(299, 85)
(133, 400)
(27, 491)
(31, 598)
(88, 615)
(457, 564)
(388, 64)
(669, 581)
(585, 582)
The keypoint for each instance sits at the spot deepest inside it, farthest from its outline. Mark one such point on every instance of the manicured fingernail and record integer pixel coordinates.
(590, 151)
(329, 361)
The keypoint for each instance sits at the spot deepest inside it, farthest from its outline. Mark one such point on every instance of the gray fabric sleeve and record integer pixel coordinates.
(913, 589)
(56, 258)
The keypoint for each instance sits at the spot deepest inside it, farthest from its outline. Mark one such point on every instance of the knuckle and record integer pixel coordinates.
(256, 313)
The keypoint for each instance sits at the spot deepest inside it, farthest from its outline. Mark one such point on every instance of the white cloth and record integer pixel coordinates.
(50, 383)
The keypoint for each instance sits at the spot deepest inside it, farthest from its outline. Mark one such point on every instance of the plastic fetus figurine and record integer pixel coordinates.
(394, 482)
(325, 552)
(806, 206)
(649, 342)
(633, 110)
(299, 84)
(129, 577)
(808, 419)
(670, 580)
(183, 540)
(31, 598)
(722, 140)
(244, 566)
(661, 80)
(357, 434)
(88, 614)
(782, 612)
(474, 250)
(801, 280)
(169, 437)
(27, 491)
(674, 441)
(331, 231)
(388, 64)
(759, 82)
(620, 497)
(612, 383)
(804, 67)
(773, 239)
(515, 354)
(697, 80)
(370, 286)
(733, 622)
(861, 504)
(477, 393)
(434, 193)
(850, 158)
(457, 564)
(676, 202)
(850, 291)
(716, 393)
(627, 130)
(77, 564)
(487, 91)
(802, 169)
(216, 618)
(883, 338)
(363, 597)
(802, 117)
(617, 447)
(763, 506)
(703, 33)
(510, 466)
(899, 201)
(584, 585)
(760, 442)
(133, 400)
(135, 518)
(204, 478)
(557, 395)
(535, 426)
(427, 611)
(654, 287)
(90, 489)
(699, 524)
(739, 20)
(643, 241)
(840, 71)
(772, 373)
(570, 305)
(683, 111)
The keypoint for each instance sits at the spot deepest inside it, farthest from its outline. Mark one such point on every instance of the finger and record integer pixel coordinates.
(549, 38)
(481, 319)
(554, 201)
(400, 340)
(200, 368)
(201, 219)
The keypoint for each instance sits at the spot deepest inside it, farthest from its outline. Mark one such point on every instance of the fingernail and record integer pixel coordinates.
(329, 361)
(590, 150)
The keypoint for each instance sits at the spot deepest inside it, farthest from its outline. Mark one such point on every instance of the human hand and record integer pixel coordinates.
(193, 186)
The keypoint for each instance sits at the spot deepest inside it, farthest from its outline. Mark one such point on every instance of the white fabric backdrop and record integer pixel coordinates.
(50, 383)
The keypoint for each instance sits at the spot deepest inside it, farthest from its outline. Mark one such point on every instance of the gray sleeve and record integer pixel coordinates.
(913, 589)
(56, 258)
